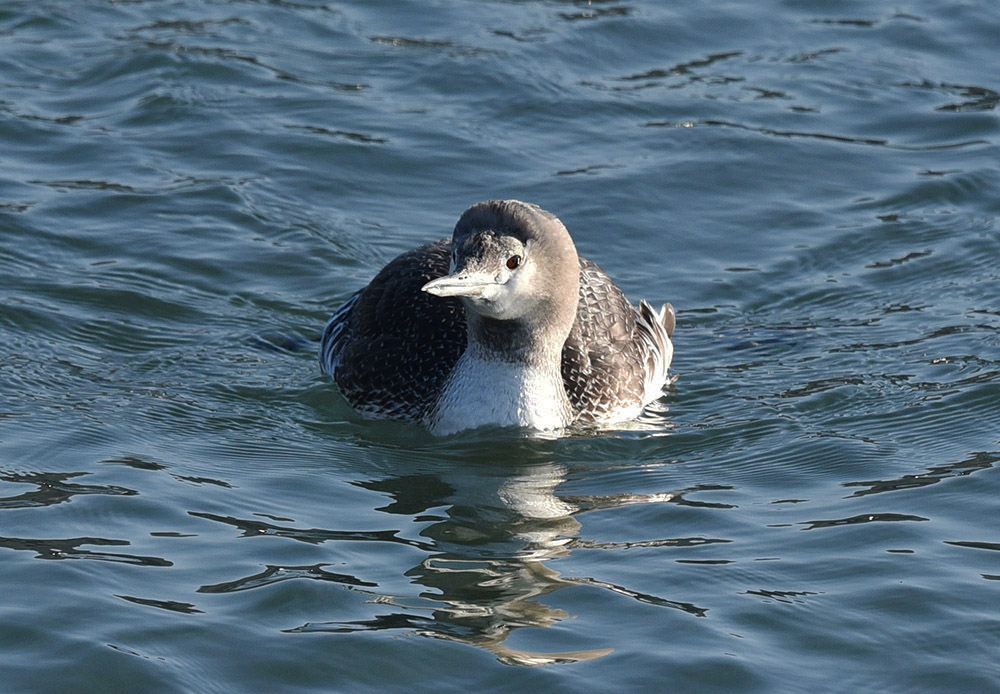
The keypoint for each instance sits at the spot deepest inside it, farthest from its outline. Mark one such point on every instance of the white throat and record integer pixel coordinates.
(484, 392)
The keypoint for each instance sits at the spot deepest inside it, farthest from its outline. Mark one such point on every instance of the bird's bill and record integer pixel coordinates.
(470, 284)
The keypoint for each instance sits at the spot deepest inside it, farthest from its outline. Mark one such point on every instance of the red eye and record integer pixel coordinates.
(513, 262)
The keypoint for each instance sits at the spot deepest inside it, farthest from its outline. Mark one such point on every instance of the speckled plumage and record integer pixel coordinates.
(613, 352)
(391, 347)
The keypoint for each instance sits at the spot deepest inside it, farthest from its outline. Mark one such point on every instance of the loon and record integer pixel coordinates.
(503, 324)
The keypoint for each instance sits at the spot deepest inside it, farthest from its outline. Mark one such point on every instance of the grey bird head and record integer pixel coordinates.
(513, 261)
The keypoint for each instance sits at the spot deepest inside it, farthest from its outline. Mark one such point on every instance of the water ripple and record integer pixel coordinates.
(789, 597)
(863, 518)
(831, 137)
(252, 528)
(70, 549)
(666, 542)
(169, 605)
(687, 607)
(933, 475)
(52, 488)
(276, 574)
(993, 546)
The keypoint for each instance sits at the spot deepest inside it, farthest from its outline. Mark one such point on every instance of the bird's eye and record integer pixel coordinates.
(513, 262)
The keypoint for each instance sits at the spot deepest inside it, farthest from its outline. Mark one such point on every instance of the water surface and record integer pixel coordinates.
(187, 191)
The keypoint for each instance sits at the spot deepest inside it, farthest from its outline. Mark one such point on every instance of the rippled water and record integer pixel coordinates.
(188, 189)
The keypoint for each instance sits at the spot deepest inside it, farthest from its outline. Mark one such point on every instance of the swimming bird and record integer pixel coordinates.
(502, 324)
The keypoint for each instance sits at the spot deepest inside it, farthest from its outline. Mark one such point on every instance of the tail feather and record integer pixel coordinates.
(335, 336)
(655, 328)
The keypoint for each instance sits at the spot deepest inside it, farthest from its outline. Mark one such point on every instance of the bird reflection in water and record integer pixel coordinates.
(486, 573)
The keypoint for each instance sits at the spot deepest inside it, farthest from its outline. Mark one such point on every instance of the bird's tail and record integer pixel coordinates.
(655, 328)
(335, 336)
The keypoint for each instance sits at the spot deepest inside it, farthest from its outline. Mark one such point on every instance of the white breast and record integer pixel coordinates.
(484, 392)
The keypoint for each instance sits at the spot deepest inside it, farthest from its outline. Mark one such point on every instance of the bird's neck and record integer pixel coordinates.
(509, 375)
(516, 341)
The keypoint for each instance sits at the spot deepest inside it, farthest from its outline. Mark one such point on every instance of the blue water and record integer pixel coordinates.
(188, 190)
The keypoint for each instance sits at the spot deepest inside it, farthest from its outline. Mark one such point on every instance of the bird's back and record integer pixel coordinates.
(610, 361)
(390, 347)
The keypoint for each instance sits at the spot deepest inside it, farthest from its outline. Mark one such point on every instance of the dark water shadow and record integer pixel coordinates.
(169, 605)
(276, 574)
(53, 488)
(70, 549)
(932, 475)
